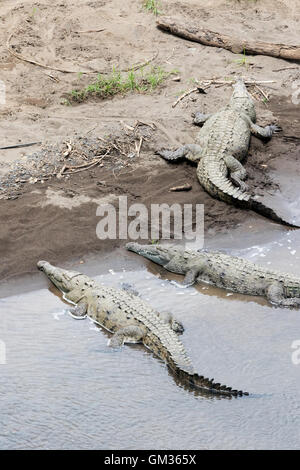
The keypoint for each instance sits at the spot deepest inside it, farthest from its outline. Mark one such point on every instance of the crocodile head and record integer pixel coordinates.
(241, 99)
(64, 280)
(157, 253)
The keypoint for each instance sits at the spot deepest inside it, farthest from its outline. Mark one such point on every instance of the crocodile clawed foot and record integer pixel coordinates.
(276, 128)
(164, 153)
(129, 288)
(244, 187)
(177, 327)
(199, 118)
(240, 184)
(161, 152)
(273, 129)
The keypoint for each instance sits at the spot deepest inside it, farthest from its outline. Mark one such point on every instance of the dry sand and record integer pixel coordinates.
(42, 222)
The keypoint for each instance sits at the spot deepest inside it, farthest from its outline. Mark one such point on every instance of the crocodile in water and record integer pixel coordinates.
(224, 271)
(130, 319)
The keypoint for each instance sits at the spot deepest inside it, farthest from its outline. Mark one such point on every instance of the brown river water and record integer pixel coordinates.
(62, 387)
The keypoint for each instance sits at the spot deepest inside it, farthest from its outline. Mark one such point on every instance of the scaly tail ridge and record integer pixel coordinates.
(266, 211)
(199, 382)
(212, 175)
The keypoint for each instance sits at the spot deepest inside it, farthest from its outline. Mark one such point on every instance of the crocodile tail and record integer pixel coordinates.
(165, 344)
(204, 385)
(266, 211)
(184, 373)
(213, 177)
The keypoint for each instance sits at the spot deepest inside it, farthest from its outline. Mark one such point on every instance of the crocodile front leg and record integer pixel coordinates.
(80, 311)
(275, 295)
(191, 275)
(190, 152)
(200, 118)
(128, 334)
(264, 132)
(237, 172)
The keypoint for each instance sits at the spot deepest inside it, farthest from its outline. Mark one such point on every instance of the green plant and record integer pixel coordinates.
(243, 60)
(153, 6)
(116, 82)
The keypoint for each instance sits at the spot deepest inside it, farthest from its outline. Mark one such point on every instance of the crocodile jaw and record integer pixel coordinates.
(61, 278)
(151, 252)
(241, 100)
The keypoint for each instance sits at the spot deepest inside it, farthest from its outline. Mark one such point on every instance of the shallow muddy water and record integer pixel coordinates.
(62, 387)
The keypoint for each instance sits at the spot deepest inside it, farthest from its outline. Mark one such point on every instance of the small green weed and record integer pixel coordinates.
(153, 6)
(243, 60)
(106, 86)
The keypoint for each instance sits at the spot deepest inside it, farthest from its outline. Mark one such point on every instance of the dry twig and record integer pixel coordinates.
(262, 92)
(17, 146)
(143, 64)
(187, 93)
(69, 170)
(86, 72)
(90, 31)
(139, 147)
(183, 187)
(34, 62)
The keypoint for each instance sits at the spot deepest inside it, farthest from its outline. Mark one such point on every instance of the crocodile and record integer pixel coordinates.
(221, 145)
(130, 319)
(224, 271)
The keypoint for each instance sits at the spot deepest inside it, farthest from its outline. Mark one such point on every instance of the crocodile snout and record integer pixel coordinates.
(41, 264)
(132, 246)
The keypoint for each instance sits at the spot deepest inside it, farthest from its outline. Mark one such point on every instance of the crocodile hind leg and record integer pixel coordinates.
(128, 334)
(200, 118)
(264, 132)
(275, 295)
(79, 312)
(168, 318)
(237, 172)
(129, 288)
(190, 152)
(191, 276)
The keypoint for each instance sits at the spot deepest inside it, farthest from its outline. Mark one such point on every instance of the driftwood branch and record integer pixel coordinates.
(236, 45)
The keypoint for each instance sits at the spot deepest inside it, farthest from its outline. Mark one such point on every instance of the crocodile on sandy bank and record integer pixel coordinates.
(224, 271)
(221, 145)
(130, 319)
